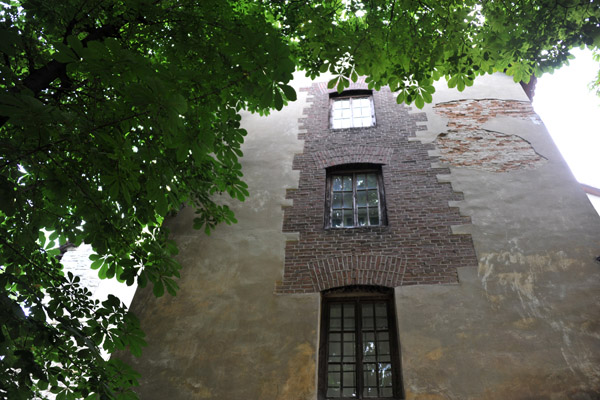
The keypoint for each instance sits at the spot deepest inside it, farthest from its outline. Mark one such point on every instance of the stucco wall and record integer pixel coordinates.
(226, 335)
(524, 324)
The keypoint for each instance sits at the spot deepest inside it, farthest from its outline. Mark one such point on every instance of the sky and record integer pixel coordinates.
(571, 112)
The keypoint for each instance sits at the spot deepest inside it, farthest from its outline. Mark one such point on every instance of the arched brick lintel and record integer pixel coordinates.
(373, 270)
(352, 155)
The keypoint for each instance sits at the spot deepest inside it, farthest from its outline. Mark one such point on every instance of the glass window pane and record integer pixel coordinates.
(362, 217)
(349, 379)
(337, 124)
(335, 324)
(334, 379)
(372, 181)
(348, 218)
(333, 392)
(361, 181)
(385, 375)
(364, 102)
(366, 121)
(346, 123)
(373, 216)
(337, 200)
(386, 392)
(336, 218)
(348, 310)
(347, 183)
(373, 198)
(335, 349)
(367, 317)
(348, 337)
(370, 392)
(382, 336)
(381, 310)
(383, 348)
(349, 324)
(348, 200)
(335, 311)
(369, 348)
(349, 349)
(361, 198)
(335, 337)
(349, 392)
(337, 183)
(370, 375)
(382, 323)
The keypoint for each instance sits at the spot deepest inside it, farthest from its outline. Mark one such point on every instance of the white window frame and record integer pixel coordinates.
(352, 98)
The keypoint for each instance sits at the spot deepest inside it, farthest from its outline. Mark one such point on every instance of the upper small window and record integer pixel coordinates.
(352, 110)
(355, 197)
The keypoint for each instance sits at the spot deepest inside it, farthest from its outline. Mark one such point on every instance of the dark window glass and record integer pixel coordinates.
(359, 350)
(355, 199)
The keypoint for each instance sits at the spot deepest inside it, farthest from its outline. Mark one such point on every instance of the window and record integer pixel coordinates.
(359, 355)
(355, 198)
(353, 109)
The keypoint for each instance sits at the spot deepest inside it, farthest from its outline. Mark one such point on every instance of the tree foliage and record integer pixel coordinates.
(115, 113)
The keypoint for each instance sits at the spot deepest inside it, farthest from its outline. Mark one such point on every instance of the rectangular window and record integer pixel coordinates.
(359, 350)
(355, 199)
(352, 112)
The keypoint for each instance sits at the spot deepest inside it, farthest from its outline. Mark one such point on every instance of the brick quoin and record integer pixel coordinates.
(415, 247)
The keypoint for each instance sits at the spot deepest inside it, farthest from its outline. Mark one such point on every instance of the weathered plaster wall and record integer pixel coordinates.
(526, 323)
(226, 335)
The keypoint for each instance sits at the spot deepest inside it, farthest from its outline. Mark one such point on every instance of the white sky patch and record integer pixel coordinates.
(571, 113)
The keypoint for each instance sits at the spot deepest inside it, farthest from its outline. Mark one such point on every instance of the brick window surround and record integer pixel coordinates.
(415, 246)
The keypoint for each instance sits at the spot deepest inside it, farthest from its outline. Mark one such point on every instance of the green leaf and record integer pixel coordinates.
(278, 101)
(158, 289)
(331, 84)
(289, 92)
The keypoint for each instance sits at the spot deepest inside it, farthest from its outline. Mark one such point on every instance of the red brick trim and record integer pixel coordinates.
(357, 270)
(352, 155)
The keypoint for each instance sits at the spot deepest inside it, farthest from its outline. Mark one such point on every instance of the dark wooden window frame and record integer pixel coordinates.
(351, 95)
(358, 295)
(354, 169)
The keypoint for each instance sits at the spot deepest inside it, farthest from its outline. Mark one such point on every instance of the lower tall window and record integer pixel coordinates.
(359, 355)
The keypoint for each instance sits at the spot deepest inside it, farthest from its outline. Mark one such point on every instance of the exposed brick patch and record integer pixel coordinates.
(416, 247)
(464, 114)
(465, 144)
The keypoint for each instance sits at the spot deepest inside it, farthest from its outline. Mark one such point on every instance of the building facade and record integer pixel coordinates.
(387, 252)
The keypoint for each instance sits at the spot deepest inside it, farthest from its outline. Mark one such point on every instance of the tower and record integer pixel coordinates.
(387, 252)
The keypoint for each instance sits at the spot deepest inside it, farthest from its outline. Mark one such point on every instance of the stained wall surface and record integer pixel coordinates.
(522, 324)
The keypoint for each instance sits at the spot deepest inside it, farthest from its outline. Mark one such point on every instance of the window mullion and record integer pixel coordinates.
(354, 200)
(359, 351)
